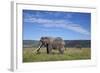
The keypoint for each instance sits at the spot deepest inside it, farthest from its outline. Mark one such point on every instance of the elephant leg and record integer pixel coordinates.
(61, 50)
(49, 49)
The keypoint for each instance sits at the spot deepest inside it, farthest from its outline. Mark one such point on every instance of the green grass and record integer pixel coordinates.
(70, 54)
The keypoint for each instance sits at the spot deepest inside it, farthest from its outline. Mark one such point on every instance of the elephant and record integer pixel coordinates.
(52, 43)
(78, 46)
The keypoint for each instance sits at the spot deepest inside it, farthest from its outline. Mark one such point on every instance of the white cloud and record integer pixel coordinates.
(66, 24)
(78, 28)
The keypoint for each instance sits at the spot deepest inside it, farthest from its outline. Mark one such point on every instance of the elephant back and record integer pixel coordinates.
(58, 41)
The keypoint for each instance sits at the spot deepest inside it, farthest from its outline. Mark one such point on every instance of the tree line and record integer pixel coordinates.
(68, 43)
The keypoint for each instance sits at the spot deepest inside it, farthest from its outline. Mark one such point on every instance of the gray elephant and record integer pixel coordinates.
(52, 43)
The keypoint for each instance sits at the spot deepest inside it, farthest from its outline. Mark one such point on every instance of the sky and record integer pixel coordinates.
(67, 25)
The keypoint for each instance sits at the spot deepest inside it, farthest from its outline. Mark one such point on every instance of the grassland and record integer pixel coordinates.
(70, 54)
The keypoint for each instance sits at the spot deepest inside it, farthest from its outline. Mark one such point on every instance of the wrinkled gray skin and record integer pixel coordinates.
(52, 43)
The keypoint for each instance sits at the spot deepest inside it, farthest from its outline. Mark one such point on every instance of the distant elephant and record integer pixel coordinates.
(52, 43)
(78, 46)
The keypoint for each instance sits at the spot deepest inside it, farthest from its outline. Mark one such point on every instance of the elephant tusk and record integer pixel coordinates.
(34, 51)
(37, 49)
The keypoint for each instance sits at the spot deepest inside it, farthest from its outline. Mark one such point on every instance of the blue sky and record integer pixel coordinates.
(68, 25)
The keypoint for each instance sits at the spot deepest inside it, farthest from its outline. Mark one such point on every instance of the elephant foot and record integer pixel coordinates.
(49, 52)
